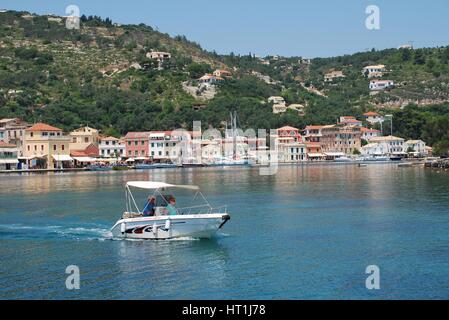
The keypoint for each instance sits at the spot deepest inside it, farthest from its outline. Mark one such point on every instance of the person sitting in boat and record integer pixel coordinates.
(148, 210)
(171, 207)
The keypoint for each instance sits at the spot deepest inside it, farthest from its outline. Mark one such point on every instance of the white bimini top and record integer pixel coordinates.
(149, 185)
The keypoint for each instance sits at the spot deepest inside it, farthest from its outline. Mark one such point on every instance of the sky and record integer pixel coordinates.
(308, 28)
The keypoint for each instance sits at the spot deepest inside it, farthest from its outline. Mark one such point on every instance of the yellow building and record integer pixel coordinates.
(83, 137)
(46, 147)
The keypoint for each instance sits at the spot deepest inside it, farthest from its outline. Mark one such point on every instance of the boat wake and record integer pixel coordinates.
(90, 232)
(21, 231)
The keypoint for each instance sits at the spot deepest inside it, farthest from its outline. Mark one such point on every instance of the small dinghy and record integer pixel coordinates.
(166, 221)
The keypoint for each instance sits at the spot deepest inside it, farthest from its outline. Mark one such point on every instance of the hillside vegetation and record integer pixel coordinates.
(89, 76)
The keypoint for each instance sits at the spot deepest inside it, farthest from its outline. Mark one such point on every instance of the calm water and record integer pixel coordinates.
(305, 233)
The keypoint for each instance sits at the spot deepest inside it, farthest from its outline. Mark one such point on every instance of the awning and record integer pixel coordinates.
(315, 155)
(107, 159)
(84, 159)
(36, 156)
(130, 160)
(141, 158)
(157, 185)
(9, 161)
(62, 157)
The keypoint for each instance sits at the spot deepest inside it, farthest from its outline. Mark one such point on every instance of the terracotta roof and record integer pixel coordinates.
(313, 127)
(371, 113)
(3, 144)
(90, 151)
(109, 139)
(137, 135)
(363, 129)
(43, 127)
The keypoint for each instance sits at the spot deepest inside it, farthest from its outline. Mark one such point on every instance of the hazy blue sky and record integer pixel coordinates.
(288, 27)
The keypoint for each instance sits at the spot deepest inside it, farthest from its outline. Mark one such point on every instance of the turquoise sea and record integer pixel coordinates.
(308, 232)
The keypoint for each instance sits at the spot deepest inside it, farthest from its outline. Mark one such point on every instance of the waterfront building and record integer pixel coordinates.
(340, 138)
(211, 151)
(367, 133)
(81, 138)
(375, 71)
(374, 149)
(290, 145)
(12, 131)
(46, 146)
(8, 156)
(373, 117)
(111, 147)
(314, 151)
(418, 146)
(312, 133)
(136, 144)
(163, 147)
(391, 144)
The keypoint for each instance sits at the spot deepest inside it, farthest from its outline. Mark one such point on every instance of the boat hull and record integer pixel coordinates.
(169, 227)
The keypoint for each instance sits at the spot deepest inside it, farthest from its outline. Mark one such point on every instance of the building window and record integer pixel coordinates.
(62, 147)
(54, 147)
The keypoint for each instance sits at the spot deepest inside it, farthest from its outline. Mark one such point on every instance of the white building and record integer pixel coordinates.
(163, 147)
(378, 85)
(376, 71)
(374, 149)
(111, 147)
(373, 117)
(279, 105)
(418, 146)
(292, 152)
(392, 144)
(8, 156)
(368, 134)
(209, 79)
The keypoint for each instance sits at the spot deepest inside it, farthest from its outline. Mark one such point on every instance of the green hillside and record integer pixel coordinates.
(89, 76)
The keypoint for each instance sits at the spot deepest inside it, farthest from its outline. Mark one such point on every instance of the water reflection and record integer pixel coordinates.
(305, 232)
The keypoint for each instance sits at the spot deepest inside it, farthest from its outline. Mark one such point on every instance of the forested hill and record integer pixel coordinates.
(99, 75)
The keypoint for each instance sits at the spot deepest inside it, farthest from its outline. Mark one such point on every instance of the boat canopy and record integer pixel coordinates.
(153, 185)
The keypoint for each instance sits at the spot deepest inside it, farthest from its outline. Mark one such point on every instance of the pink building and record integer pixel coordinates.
(136, 144)
(288, 133)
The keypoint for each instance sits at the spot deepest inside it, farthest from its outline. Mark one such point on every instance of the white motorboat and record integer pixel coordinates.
(199, 221)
